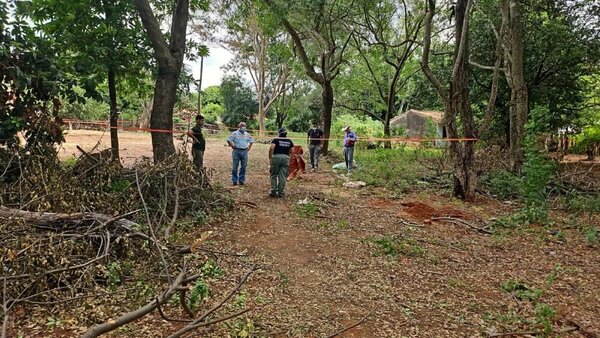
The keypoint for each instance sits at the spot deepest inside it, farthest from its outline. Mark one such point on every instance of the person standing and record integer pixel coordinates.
(198, 143)
(279, 160)
(350, 139)
(314, 139)
(241, 142)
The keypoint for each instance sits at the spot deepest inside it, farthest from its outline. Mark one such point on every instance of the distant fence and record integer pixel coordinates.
(131, 126)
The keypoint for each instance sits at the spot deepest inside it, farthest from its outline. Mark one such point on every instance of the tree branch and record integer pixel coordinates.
(151, 25)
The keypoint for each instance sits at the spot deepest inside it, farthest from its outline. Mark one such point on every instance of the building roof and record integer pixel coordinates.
(437, 116)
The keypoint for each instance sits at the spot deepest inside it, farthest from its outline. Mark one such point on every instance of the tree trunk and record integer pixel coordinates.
(169, 57)
(327, 98)
(519, 99)
(463, 153)
(391, 103)
(162, 111)
(114, 115)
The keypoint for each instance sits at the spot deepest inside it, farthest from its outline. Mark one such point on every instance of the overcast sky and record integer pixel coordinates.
(212, 67)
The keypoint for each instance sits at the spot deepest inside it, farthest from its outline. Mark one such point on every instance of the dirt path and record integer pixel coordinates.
(324, 266)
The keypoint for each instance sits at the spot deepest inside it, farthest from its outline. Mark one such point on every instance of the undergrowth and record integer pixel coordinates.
(395, 169)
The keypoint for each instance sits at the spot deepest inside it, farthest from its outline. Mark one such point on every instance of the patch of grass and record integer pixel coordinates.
(211, 269)
(284, 280)
(544, 315)
(242, 328)
(200, 291)
(591, 235)
(503, 184)
(393, 169)
(394, 247)
(118, 185)
(341, 225)
(307, 210)
(453, 282)
(70, 161)
(521, 290)
(200, 217)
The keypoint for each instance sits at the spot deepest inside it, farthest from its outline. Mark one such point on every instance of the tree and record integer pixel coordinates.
(385, 39)
(169, 57)
(513, 44)
(101, 40)
(319, 43)
(260, 50)
(240, 105)
(456, 98)
(32, 82)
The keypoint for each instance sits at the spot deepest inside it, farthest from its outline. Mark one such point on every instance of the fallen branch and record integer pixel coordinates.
(533, 333)
(55, 219)
(459, 221)
(129, 317)
(362, 320)
(199, 321)
(248, 204)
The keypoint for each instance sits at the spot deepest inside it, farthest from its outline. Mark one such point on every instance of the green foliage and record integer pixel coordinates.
(393, 247)
(113, 275)
(363, 127)
(307, 210)
(199, 292)
(242, 328)
(545, 315)
(521, 290)
(52, 323)
(211, 269)
(394, 169)
(503, 184)
(588, 140)
(591, 235)
(240, 104)
(430, 131)
(119, 185)
(538, 170)
(31, 80)
(200, 217)
(583, 203)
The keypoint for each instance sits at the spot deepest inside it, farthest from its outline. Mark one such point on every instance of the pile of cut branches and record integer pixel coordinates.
(80, 229)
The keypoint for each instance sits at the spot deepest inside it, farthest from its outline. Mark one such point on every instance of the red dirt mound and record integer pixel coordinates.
(420, 210)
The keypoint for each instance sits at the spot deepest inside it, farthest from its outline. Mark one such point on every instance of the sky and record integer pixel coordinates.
(212, 72)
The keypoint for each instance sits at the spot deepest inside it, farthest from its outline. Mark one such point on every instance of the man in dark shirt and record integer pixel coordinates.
(314, 138)
(279, 159)
(198, 142)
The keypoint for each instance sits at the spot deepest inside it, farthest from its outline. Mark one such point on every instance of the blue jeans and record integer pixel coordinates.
(240, 159)
(349, 157)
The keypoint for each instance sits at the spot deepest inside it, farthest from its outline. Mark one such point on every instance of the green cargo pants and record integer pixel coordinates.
(280, 166)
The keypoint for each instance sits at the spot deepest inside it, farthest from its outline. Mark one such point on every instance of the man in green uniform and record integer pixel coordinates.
(198, 142)
(279, 158)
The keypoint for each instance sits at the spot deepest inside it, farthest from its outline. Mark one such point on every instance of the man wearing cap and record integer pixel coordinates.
(279, 160)
(349, 141)
(313, 139)
(241, 142)
(198, 142)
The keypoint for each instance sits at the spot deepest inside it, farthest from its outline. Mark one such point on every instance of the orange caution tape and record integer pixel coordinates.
(372, 139)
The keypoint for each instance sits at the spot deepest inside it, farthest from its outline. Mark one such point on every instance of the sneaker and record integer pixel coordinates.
(241, 183)
(273, 194)
(282, 195)
(234, 183)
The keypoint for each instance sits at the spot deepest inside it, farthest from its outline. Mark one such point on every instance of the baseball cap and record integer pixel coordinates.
(282, 130)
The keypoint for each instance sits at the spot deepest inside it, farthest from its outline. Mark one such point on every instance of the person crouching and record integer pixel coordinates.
(279, 160)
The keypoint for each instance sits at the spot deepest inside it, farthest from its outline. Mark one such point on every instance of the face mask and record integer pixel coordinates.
(243, 129)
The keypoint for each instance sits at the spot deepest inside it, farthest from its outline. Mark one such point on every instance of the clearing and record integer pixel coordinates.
(348, 254)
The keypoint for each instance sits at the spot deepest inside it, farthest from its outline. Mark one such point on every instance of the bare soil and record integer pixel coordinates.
(325, 270)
